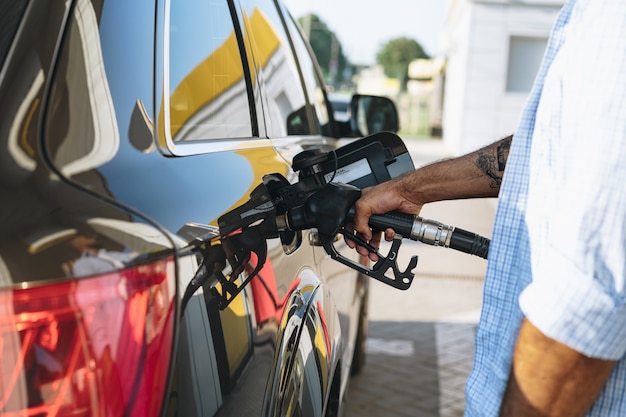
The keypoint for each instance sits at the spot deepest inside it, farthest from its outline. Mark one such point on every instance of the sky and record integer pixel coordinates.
(364, 26)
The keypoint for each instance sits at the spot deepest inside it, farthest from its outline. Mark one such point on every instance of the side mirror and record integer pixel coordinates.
(372, 114)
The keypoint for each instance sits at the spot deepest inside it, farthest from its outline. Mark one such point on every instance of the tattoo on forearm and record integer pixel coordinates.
(493, 165)
(503, 153)
(486, 163)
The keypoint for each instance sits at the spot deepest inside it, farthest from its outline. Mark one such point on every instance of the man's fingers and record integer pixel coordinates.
(361, 220)
(351, 243)
(362, 250)
(375, 242)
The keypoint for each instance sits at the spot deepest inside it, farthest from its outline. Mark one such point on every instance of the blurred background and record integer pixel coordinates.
(459, 70)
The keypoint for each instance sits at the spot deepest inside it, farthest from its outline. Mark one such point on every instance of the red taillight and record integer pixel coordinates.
(97, 346)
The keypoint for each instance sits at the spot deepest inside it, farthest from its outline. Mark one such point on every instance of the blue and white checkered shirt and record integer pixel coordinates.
(558, 250)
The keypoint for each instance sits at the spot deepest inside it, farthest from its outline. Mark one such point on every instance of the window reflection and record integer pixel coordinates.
(207, 91)
(287, 106)
(314, 86)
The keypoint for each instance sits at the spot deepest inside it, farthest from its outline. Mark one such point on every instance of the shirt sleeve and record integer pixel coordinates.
(576, 209)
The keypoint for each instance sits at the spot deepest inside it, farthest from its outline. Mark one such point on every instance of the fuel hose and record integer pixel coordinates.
(430, 232)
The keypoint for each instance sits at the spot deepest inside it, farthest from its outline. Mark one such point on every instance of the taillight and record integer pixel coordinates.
(97, 346)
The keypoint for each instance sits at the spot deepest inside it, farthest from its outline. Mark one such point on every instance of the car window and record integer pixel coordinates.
(313, 83)
(287, 107)
(207, 92)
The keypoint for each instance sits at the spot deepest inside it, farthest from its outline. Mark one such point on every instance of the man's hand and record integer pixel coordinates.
(551, 379)
(380, 199)
(477, 174)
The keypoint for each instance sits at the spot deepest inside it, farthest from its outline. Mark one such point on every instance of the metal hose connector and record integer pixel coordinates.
(431, 232)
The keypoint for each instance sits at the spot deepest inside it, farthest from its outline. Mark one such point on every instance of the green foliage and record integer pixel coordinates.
(396, 55)
(327, 49)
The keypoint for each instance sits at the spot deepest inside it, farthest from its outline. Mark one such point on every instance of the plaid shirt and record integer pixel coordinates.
(558, 250)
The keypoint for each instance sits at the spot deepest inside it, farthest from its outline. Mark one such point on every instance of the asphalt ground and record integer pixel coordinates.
(420, 344)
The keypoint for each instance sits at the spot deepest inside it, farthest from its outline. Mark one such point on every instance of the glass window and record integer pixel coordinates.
(314, 87)
(525, 55)
(208, 96)
(287, 107)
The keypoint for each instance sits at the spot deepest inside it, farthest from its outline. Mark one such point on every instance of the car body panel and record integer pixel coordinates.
(94, 179)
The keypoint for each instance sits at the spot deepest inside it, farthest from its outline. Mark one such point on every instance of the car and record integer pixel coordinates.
(128, 129)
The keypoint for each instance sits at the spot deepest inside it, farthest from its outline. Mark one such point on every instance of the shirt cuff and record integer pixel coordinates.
(576, 309)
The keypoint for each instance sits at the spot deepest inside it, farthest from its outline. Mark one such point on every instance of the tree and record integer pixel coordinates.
(327, 49)
(396, 55)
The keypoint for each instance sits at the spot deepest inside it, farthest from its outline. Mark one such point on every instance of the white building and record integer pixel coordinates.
(493, 49)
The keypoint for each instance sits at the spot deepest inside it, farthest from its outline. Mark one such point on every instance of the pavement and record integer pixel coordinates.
(420, 344)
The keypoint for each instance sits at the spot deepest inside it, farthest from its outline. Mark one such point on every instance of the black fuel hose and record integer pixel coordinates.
(430, 232)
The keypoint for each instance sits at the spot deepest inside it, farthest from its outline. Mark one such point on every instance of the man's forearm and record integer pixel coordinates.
(477, 174)
(474, 175)
(551, 379)
(492, 159)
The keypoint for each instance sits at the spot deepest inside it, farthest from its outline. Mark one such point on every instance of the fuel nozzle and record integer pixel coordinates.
(325, 210)
(258, 212)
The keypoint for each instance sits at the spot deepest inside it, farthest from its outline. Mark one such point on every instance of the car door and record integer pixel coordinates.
(295, 123)
(232, 87)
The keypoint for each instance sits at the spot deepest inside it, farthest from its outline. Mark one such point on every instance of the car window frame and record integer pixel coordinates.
(162, 134)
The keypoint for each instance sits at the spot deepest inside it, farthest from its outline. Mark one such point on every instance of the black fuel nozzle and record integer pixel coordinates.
(325, 210)
(329, 210)
(258, 212)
